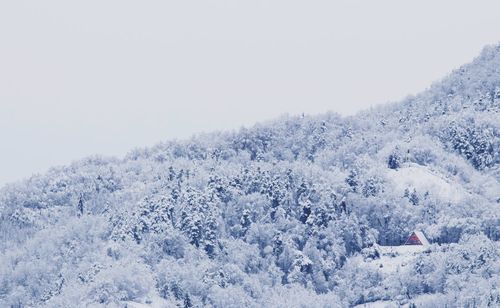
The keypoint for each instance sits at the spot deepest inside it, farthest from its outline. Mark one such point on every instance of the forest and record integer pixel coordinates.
(286, 213)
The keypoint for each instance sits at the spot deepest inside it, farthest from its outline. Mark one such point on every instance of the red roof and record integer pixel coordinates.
(417, 238)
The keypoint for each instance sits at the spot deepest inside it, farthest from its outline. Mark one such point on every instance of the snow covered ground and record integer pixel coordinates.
(393, 258)
(423, 179)
(154, 302)
(379, 304)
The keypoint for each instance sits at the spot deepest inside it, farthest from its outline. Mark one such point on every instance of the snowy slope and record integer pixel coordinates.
(394, 258)
(154, 302)
(423, 179)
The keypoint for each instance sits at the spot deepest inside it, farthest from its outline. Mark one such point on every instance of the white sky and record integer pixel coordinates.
(101, 77)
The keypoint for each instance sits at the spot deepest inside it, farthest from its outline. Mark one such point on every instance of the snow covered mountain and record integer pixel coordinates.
(288, 213)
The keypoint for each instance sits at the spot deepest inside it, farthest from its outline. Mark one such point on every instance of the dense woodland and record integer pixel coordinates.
(273, 215)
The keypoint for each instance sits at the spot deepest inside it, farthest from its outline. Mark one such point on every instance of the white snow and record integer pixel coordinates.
(155, 302)
(378, 304)
(421, 178)
(137, 305)
(393, 258)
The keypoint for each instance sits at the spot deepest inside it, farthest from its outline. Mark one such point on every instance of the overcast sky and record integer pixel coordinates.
(102, 77)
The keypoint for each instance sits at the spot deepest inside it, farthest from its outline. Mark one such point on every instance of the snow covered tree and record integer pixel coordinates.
(394, 161)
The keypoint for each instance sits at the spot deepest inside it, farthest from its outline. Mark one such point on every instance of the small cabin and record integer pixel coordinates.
(417, 238)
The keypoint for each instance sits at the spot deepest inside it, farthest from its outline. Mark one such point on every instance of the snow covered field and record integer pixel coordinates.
(393, 258)
(154, 302)
(424, 179)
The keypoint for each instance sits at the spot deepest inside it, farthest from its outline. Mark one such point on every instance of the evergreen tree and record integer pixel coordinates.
(394, 161)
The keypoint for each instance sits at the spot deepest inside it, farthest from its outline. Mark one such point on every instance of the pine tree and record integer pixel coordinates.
(278, 244)
(80, 207)
(187, 301)
(352, 180)
(414, 199)
(245, 221)
(210, 236)
(370, 188)
(394, 161)
(305, 204)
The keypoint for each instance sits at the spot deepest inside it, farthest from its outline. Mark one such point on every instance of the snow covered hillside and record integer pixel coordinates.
(420, 178)
(290, 213)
